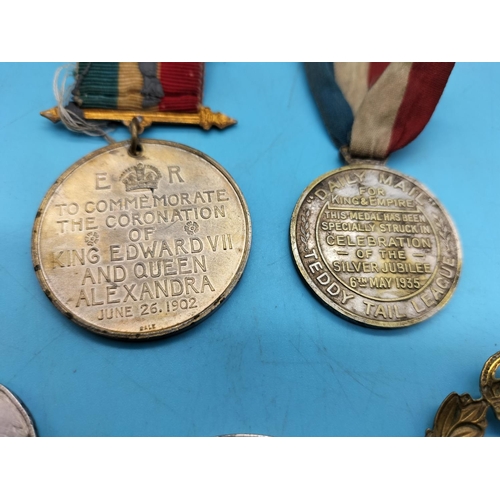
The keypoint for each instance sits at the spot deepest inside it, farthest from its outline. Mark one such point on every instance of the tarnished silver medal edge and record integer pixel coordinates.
(155, 333)
(333, 306)
(243, 435)
(20, 407)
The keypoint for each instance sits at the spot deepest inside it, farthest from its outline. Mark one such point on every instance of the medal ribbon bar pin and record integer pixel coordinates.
(142, 238)
(372, 243)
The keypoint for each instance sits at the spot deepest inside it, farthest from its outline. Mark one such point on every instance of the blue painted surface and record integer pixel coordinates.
(271, 359)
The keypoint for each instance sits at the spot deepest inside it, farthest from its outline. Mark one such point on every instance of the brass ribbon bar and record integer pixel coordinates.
(205, 117)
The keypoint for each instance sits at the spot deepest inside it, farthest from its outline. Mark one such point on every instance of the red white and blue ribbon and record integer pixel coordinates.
(376, 108)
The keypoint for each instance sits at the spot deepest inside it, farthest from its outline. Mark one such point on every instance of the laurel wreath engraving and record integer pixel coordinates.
(304, 229)
(443, 231)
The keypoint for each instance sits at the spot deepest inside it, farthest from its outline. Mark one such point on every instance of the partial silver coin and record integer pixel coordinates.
(14, 419)
(244, 435)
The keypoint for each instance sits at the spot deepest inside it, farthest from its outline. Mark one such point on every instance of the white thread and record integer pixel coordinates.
(71, 120)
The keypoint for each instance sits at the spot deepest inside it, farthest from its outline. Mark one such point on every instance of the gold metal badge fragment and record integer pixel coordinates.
(463, 416)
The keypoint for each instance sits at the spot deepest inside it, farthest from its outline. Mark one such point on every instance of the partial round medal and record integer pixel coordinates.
(375, 246)
(14, 419)
(243, 435)
(141, 247)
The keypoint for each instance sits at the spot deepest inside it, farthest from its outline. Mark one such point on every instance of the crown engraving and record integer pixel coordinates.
(140, 177)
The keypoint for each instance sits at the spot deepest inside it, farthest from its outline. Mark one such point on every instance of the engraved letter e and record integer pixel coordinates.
(99, 179)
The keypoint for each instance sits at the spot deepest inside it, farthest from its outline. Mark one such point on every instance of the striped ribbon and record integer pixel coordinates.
(376, 108)
(134, 86)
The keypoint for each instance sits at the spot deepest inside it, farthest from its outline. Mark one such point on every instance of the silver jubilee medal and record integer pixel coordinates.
(372, 243)
(142, 238)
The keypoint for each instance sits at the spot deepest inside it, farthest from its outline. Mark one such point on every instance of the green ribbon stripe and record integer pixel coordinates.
(97, 85)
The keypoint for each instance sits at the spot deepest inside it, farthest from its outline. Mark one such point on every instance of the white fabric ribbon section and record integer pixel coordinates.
(373, 124)
(352, 78)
